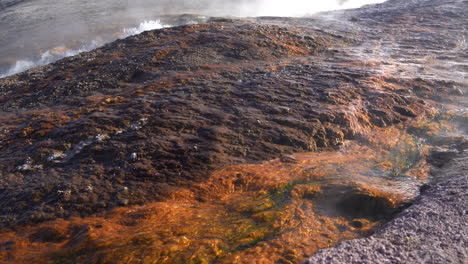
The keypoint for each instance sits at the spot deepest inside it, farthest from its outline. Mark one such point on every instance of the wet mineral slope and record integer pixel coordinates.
(133, 121)
(433, 230)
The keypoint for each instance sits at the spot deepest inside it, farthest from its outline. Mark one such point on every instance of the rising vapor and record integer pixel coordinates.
(39, 32)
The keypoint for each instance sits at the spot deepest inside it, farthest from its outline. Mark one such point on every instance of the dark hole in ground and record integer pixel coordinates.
(359, 205)
(356, 204)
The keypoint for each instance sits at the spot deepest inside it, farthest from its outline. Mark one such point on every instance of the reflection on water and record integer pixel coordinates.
(31, 28)
(74, 48)
(276, 212)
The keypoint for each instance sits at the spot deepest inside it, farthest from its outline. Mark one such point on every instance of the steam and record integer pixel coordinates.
(62, 51)
(307, 7)
(28, 40)
(246, 8)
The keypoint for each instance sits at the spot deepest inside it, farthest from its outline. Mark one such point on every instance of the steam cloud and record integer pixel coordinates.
(38, 32)
(243, 8)
(307, 7)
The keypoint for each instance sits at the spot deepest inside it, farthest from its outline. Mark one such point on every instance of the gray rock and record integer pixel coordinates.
(433, 230)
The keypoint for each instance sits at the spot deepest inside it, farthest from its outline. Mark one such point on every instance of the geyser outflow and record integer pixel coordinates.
(61, 52)
(34, 33)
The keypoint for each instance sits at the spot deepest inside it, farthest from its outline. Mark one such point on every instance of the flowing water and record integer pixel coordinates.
(38, 32)
(274, 212)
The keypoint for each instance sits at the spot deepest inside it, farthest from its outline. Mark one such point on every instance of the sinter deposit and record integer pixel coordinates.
(257, 140)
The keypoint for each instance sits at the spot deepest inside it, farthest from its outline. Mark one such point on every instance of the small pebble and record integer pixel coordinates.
(288, 159)
(123, 201)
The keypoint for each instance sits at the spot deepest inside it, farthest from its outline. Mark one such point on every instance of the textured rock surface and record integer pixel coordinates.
(163, 115)
(433, 230)
(190, 99)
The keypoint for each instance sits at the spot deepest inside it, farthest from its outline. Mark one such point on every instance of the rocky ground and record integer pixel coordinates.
(166, 107)
(433, 230)
(127, 123)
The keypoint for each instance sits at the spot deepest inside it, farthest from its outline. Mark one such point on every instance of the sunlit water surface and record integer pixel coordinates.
(38, 32)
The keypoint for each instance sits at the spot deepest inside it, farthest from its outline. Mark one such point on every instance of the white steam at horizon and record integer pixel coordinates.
(58, 53)
(144, 12)
(305, 7)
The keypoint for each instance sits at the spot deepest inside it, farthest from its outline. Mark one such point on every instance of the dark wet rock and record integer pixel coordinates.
(357, 224)
(424, 187)
(7, 248)
(440, 156)
(191, 99)
(459, 142)
(355, 204)
(123, 202)
(433, 230)
(7, 245)
(288, 159)
(404, 111)
(360, 205)
(48, 234)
